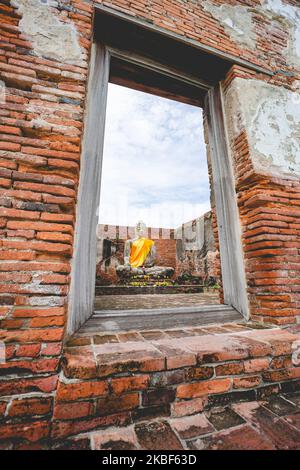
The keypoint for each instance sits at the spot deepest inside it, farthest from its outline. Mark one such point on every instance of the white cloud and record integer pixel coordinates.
(154, 165)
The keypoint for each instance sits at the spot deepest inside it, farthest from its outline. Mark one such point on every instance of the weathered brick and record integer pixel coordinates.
(158, 397)
(187, 407)
(43, 226)
(207, 387)
(17, 277)
(81, 390)
(28, 350)
(32, 335)
(230, 368)
(54, 236)
(199, 373)
(127, 384)
(169, 377)
(3, 406)
(25, 312)
(40, 265)
(73, 410)
(30, 406)
(48, 217)
(281, 374)
(256, 365)
(47, 321)
(68, 428)
(143, 361)
(10, 130)
(24, 385)
(112, 404)
(246, 382)
(281, 362)
(191, 426)
(33, 431)
(17, 255)
(10, 146)
(51, 349)
(37, 246)
(42, 365)
(28, 234)
(16, 214)
(53, 279)
(157, 435)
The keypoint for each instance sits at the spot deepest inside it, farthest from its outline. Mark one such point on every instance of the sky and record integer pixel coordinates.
(154, 162)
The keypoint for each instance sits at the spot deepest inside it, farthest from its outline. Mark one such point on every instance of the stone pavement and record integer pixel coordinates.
(256, 425)
(144, 301)
(222, 386)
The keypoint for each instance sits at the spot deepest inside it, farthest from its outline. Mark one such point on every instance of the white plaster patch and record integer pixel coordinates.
(237, 22)
(292, 16)
(47, 301)
(50, 37)
(270, 116)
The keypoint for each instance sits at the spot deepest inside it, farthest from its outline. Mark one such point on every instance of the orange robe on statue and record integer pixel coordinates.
(140, 249)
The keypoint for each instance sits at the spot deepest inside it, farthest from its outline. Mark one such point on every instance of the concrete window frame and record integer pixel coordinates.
(82, 289)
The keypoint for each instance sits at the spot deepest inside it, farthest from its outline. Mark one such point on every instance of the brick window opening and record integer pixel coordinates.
(134, 58)
(155, 170)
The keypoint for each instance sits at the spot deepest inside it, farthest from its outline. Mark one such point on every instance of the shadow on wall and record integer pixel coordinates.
(189, 249)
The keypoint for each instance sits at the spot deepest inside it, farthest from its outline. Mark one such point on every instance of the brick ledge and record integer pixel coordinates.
(117, 383)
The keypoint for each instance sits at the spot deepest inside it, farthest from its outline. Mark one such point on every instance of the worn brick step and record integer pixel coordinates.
(115, 380)
(213, 346)
(126, 320)
(168, 310)
(269, 424)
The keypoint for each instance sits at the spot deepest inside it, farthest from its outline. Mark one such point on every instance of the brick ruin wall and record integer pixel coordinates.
(189, 249)
(196, 249)
(44, 61)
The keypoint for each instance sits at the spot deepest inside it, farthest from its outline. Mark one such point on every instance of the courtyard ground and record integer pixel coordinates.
(256, 425)
(227, 386)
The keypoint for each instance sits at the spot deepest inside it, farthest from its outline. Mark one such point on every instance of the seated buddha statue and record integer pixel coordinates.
(140, 251)
(139, 256)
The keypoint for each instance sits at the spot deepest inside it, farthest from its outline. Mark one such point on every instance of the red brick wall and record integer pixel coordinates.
(269, 211)
(39, 170)
(41, 131)
(166, 252)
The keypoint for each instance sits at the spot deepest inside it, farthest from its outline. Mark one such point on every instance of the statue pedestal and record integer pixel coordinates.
(140, 281)
(156, 275)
